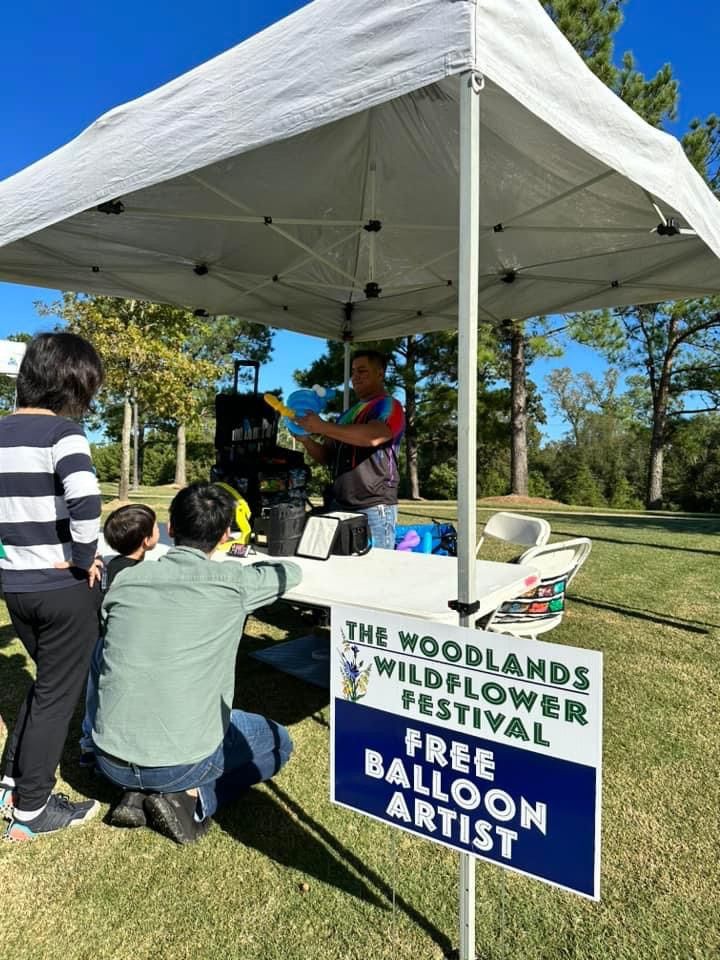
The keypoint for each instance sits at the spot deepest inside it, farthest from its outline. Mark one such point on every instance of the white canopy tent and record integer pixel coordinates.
(316, 166)
(375, 168)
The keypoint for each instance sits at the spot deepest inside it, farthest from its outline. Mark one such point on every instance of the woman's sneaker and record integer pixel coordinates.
(7, 801)
(59, 813)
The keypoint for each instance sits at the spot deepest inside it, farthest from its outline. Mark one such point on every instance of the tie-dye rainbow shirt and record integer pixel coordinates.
(368, 476)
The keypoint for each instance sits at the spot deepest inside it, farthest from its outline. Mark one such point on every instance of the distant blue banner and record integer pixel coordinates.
(524, 810)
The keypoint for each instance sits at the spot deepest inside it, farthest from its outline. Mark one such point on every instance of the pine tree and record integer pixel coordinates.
(590, 26)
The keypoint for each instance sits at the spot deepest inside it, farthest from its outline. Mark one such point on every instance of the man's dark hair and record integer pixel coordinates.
(199, 515)
(60, 372)
(126, 528)
(379, 359)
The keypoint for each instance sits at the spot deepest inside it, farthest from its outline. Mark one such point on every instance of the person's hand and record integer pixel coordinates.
(311, 422)
(93, 573)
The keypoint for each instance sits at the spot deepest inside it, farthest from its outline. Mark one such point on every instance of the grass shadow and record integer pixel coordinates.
(644, 543)
(691, 626)
(706, 526)
(15, 680)
(259, 822)
(260, 688)
(271, 822)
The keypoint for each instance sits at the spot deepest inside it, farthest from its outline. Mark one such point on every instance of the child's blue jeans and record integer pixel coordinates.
(91, 697)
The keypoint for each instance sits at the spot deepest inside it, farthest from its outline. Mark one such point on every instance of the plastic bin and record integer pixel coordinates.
(286, 522)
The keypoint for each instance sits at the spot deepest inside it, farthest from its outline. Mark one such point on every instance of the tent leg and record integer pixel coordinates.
(467, 416)
(346, 375)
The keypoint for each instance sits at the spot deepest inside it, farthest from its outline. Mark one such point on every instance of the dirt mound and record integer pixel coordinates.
(515, 500)
(114, 504)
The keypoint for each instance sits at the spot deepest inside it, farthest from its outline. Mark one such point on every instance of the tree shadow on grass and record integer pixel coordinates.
(647, 524)
(691, 626)
(643, 543)
(271, 822)
(706, 526)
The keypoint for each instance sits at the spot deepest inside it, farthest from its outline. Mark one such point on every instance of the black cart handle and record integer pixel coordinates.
(246, 363)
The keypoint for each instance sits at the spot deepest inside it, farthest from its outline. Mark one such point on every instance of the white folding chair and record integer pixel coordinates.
(542, 608)
(516, 528)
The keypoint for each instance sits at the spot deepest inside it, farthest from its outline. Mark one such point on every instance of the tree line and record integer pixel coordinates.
(653, 444)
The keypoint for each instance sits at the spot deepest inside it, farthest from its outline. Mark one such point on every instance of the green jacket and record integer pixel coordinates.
(172, 630)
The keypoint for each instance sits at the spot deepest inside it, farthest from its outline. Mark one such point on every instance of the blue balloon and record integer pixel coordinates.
(302, 402)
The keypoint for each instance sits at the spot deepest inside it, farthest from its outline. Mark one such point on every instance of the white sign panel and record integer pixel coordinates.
(483, 742)
(11, 354)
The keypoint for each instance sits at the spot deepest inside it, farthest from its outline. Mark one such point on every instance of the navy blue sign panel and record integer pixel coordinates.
(520, 809)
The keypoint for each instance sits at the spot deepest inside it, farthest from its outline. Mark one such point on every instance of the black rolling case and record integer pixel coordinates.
(248, 456)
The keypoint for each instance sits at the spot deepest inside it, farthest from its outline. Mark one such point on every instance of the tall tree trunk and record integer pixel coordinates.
(135, 436)
(124, 484)
(518, 416)
(411, 444)
(141, 450)
(181, 457)
(653, 499)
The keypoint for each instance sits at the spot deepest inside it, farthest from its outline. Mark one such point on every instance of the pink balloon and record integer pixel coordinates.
(410, 540)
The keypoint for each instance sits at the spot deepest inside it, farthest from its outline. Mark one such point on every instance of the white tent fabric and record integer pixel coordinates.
(308, 179)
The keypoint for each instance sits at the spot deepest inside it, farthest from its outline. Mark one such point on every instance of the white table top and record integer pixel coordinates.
(397, 581)
(394, 581)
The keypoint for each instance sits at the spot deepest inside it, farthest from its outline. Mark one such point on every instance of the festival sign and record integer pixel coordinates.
(482, 742)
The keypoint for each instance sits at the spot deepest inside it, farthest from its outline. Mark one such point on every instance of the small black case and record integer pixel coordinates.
(353, 535)
(335, 532)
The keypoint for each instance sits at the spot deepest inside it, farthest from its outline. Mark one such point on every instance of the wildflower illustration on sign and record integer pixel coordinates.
(355, 676)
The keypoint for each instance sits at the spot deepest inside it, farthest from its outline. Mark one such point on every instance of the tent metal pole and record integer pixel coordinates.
(470, 86)
(346, 375)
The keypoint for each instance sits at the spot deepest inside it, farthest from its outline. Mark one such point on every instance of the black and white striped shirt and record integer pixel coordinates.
(49, 502)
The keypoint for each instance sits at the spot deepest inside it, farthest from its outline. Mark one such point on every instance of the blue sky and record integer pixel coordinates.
(66, 63)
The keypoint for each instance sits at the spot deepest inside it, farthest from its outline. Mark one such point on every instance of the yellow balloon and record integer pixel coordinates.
(277, 404)
(242, 516)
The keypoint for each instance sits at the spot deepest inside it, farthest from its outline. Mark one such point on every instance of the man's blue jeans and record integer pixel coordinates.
(382, 520)
(253, 749)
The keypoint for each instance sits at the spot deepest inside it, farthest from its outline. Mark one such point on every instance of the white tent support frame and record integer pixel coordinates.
(346, 375)
(470, 89)
(469, 243)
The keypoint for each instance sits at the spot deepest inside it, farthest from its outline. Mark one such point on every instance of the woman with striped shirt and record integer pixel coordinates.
(49, 522)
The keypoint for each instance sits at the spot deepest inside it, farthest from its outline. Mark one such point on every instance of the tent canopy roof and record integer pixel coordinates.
(308, 179)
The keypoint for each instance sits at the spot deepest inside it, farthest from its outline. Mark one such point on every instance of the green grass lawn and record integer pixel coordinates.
(648, 597)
